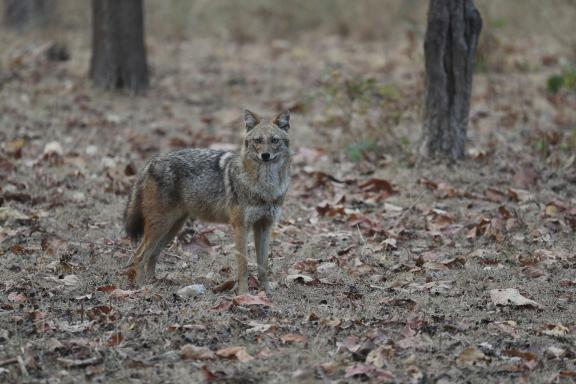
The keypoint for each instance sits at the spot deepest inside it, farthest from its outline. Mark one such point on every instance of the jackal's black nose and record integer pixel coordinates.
(265, 156)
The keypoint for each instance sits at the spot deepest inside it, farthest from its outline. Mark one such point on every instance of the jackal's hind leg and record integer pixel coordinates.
(150, 267)
(158, 231)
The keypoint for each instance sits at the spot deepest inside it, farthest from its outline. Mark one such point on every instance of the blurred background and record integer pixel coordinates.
(352, 70)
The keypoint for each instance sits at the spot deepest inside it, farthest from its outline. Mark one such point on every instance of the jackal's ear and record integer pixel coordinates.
(251, 120)
(283, 120)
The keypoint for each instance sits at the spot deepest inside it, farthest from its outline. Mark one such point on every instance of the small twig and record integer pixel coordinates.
(377, 287)
(8, 361)
(22, 366)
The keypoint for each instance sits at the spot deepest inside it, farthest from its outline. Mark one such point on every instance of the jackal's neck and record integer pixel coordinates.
(269, 180)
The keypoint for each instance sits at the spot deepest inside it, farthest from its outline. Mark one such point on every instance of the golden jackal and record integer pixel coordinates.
(246, 190)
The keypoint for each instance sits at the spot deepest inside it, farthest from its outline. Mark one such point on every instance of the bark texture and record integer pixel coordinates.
(449, 48)
(24, 13)
(118, 50)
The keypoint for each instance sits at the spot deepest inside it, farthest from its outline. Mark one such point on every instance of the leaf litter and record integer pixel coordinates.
(384, 270)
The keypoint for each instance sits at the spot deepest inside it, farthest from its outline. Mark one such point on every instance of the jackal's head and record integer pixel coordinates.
(266, 140)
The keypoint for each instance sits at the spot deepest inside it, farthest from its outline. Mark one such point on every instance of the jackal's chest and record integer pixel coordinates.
(268, 212)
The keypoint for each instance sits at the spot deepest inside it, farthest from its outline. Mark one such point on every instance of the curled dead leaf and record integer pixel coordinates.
(556, 330)
(298, 278)
(292, 338)
(238, 353)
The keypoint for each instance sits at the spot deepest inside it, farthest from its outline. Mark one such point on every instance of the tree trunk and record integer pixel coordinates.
(449, 48)
(118, 50)
(24, 13)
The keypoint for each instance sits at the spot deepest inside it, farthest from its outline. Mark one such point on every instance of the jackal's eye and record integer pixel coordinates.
(274, 140)
(258, 140)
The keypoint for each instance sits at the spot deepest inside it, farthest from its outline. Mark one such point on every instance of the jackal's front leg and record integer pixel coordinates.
(240, 236)
(262, 232)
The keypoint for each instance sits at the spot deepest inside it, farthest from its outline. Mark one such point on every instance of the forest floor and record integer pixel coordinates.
(386, 269)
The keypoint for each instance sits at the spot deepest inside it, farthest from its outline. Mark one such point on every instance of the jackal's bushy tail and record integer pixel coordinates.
(133, 216)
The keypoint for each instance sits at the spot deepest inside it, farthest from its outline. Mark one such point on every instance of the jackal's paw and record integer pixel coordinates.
(269, 287)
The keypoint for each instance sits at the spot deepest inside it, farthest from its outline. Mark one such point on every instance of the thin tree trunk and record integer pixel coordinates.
(118, 50)
(449, 49)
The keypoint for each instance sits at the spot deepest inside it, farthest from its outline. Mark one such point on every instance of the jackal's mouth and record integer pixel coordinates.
(266, 157)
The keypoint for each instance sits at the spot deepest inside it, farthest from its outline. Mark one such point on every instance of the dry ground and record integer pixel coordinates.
(384, 266)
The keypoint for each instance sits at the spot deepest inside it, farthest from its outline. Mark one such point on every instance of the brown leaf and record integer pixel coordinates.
(307, 265)
(292, 338)
(372, 372)
(530, 359)
(567, 283)
(17, 297)
(430, 184)
(556, 330)
(115, 339)
(251, 300)
(495, 195)
(299, 278)
(223, 306)
(106, 288)
(121, 293)
(193, 352)
(330, 367)
(508, 327)
(472, 356)
(238, 353)
(567, 373)
(53, 344)
(228, 285)
(378, 185)
(380, 356)
(526, 177)
(456, 262)
(519, 195)
(327, 209)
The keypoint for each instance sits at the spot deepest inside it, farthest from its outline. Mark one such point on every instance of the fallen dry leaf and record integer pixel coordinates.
(529, 359)
(106, 288)
(258, 327)
(193, 352)
(292, 338)
(114, 339)
(251, 300)
(512, 296)
(298, 277)
(228, 285)
(370, 371)
(122, 294)
(472, 356)
(508, 327)
(380, 356)
(238, 353)
(556, 330)
(79, 363)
